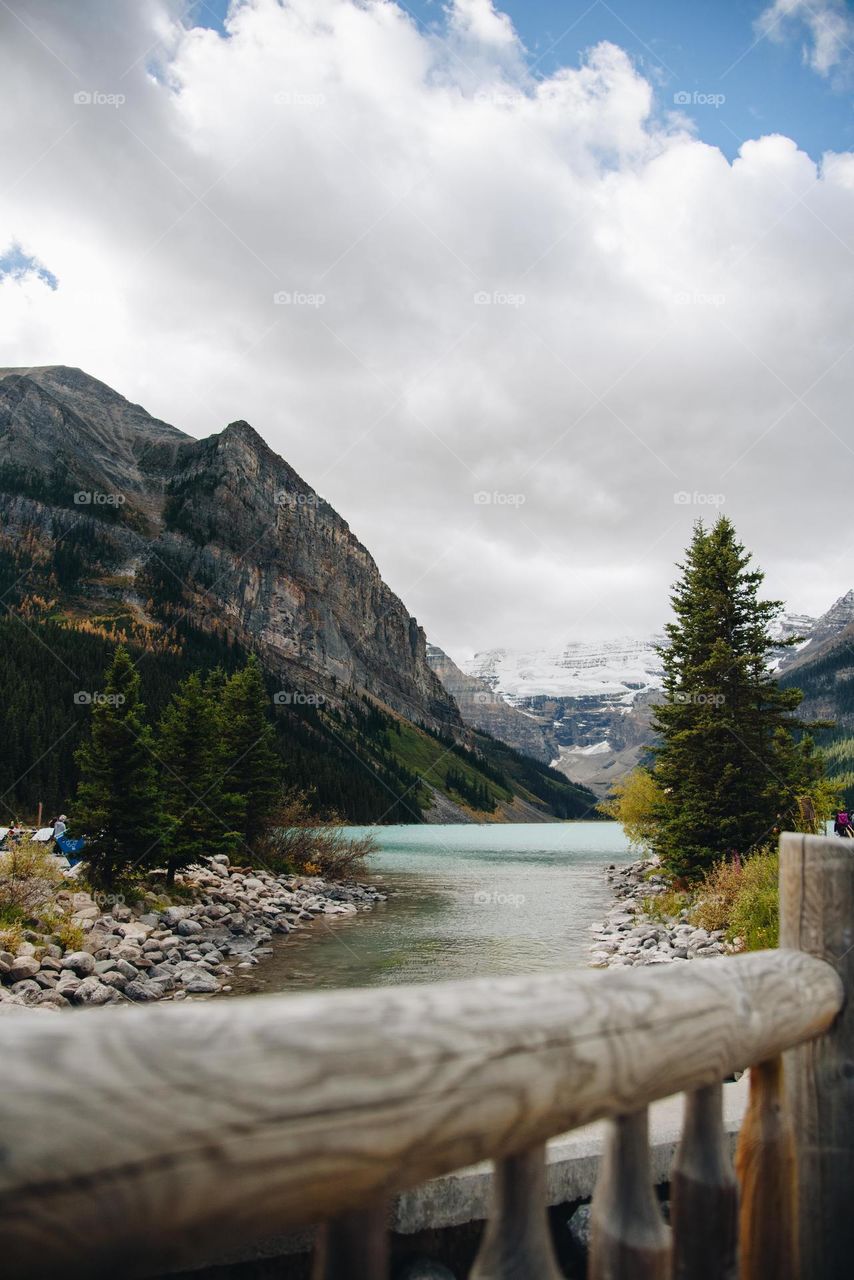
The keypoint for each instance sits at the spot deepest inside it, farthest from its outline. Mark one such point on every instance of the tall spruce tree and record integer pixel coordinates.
(252, 767)
(117, 806)
(729, 765)
(203, 817)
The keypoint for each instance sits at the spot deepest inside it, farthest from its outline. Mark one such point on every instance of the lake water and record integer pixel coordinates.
(464, 901)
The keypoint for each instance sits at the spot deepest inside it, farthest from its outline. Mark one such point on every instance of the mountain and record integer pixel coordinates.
(485, 709)
(595, 699)
(115, 526)
(591, 699)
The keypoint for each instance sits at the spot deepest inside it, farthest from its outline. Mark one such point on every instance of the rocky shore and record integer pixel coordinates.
(630, 936)
(136, 954)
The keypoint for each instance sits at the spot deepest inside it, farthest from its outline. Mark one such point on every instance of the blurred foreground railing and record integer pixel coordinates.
(127, 1137)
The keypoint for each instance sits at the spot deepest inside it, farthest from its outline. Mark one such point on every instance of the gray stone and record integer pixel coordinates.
(172, 915)
(27, 990)
(80, 962)
(114, 979)
(199, 982)
(141, 989)
(23, 967)
(187, 927)
(92, 991)
(127, 970)
(104, 966)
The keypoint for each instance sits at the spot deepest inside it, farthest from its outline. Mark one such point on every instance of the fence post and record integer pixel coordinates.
(817, 916)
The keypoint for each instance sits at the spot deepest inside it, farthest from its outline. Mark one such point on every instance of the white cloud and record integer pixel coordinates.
(829, 30)
(659, 321)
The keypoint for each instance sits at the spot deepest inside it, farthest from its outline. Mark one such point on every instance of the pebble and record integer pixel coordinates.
(136, 954)
(627, 936)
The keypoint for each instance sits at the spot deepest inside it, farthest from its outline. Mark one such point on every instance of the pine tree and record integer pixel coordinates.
(253, 768)
(117, 805)
(728, 765)
(203, 819)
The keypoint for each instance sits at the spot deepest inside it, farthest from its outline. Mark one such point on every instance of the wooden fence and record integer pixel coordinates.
(127, 1137)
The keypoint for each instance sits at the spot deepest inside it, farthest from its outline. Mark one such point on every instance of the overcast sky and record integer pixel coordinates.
(543, 290)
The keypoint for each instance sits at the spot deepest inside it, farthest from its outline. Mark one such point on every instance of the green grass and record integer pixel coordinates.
(431, 760)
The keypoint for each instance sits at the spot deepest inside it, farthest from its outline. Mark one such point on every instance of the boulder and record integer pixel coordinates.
(92, 991)
(80, 962)
(187, 927)
(23, 967)
(172, 915)
(142, 990)
(199, 981)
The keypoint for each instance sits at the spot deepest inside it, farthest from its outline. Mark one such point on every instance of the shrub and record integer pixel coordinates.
(634, 802)
(742, 899)
(29, 878)
(665, 906)
(304, 843)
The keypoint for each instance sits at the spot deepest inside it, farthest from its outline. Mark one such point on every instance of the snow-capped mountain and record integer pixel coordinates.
(617, 670)
(595, 698)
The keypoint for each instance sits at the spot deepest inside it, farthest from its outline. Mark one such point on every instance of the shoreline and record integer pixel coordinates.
(155, 952)
(628, 935)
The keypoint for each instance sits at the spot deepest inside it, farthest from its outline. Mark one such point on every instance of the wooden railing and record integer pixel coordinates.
(129, 1137)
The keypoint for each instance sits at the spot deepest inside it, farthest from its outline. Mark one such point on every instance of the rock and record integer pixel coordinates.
(198, 981)
(104, 966)
(52, 963)
(92, 991)
(579, 1227)
(23, 967)
(80, 962)
(7, 958)
(172, 915)
(187, 927)
(126, 969)
(114, 979)
(141, 989)
(27, 990)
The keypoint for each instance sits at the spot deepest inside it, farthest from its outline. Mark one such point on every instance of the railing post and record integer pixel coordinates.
(817, 916)
(703, 1193)
(765, 1163)
(517, 1243)
(628, 1238)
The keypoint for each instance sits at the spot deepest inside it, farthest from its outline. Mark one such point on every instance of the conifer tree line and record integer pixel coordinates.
(204, 780)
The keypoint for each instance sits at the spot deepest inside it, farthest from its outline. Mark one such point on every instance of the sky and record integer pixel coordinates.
(523, 291)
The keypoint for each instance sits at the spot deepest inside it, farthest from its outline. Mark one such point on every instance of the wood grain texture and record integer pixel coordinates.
(353, 1246)
(628, 1238)
(817, 917)
(704, 1193)
(765, 1165)
(517, 1243)
(128, 1133)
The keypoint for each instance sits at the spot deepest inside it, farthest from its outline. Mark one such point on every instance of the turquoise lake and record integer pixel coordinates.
(464, 901)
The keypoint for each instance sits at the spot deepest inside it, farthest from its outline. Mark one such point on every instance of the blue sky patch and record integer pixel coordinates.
(17, 265)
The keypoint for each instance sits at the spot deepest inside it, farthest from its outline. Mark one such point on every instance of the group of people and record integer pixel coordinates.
(58, 826)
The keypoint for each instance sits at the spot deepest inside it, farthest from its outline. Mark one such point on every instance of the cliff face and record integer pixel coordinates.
(485, 709)
(221, 531)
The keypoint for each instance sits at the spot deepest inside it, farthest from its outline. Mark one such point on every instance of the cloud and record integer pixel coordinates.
(829, 29)
(542, 287)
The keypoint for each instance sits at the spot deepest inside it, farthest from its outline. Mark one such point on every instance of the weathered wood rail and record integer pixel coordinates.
(125, 1137)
